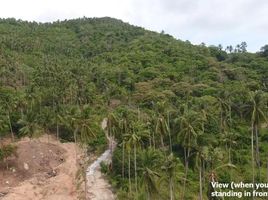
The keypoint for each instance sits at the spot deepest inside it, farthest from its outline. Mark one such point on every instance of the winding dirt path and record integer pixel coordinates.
(98, 187)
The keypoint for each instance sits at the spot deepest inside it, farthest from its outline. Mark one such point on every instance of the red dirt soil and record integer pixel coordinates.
(43, 169)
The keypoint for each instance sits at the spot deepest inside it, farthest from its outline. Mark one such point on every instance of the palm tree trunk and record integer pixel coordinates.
(186, 155)
(252, 156)
(129, 180)
(123, 160)
(135, 165)
(57, 131)
(170, 142)
(153, 140)
(75, 142)
(169, 135)
(162, 141)
(221, 120)
(200, 181)
(184, 181)
(150, 140)
(171, 188)
(229, 154)
(257, 150)
(148, 195)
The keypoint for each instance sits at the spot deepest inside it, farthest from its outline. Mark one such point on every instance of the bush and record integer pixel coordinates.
(7, 151)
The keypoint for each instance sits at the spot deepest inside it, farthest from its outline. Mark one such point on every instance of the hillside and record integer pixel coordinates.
(181, 114)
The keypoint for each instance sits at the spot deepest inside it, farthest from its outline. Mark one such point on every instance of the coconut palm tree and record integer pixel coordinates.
(162, 122)
(123, 129)
(214, 178)
(113, 129)
(170, 167)
(150, 159)
(7, 99)
(161, 128)
(224, 106)
(229, 140)
(80, 122)
(3, 128)
(135, 133)
(255, 111)
(30, 126)
(128, 149)
(190, 123)
(133, 140)
(200, 154)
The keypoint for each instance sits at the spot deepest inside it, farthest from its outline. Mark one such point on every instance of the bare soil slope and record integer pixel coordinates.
(43, 169)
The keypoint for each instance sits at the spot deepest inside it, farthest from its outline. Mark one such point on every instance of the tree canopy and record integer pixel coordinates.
(179, 112)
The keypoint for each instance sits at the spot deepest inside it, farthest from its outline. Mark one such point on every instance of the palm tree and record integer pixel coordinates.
(229, 139)
(123, 129)
(214, 158)
(30, 126)
(200, 157)
(3, 127)
(133, 140)
(162, 124)
(224, 106)
(128, 149)
(113, 129)
(57, 117)
(123, 136)
(123, 157)
(151, 187)
(79, 121)
(214, 178)
(150, 160)
(255, 111)
(7, 99)
(190, 125)
(161, 128)
(170, 167)
(135, 132)
(112, 125)
(151, 128)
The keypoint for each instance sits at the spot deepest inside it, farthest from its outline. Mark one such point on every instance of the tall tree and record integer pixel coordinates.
(255, 109)
(170, 166)
(190, 123)
(150, 159)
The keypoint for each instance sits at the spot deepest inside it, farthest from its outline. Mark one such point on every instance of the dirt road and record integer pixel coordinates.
(98, 187)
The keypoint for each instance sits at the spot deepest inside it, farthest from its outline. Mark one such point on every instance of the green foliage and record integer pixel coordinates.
(7, 151)
(264, 51)
(177, 110)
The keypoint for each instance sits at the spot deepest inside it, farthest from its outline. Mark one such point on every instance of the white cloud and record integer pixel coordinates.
(209, 21)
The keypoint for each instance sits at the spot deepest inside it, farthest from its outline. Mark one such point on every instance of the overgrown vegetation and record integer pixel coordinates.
(6, 151)
(185, 113)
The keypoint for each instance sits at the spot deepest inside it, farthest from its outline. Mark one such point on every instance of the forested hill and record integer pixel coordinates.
(119, 50)
(178, 111)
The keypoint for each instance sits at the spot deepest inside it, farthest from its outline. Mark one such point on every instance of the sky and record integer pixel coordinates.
(226, 22)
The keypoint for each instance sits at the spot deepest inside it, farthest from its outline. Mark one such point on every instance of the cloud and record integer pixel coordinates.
(210, 21)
